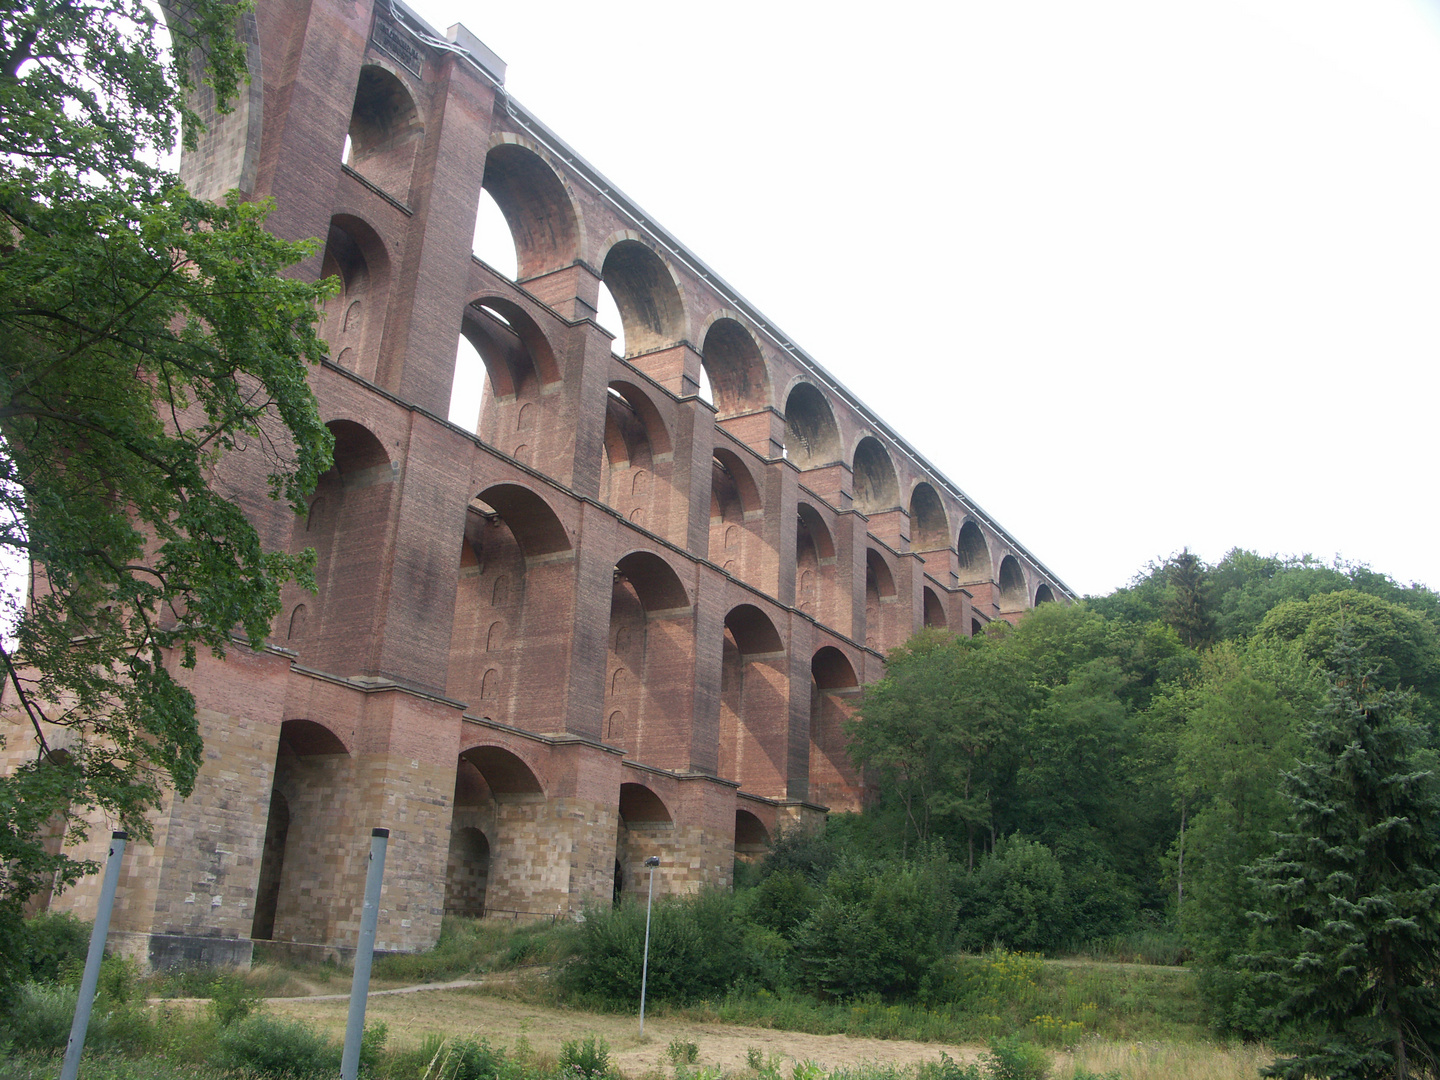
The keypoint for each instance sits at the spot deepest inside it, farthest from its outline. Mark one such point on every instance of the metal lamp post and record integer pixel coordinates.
(652, 862)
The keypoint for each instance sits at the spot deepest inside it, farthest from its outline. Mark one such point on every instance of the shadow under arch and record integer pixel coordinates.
(504, 771)
(735, 366)
(650, 664)
(314, 773)
(492, 832)
(737, 541)
(973, 555)
(875, 485)
(647, 294)
(386, 131)
(536, 527)
(929, 527)
(880, 596)
(754, 704)
(519, 363)
(934, 610)
(646, 828)
(638, 478)
(1011, 580)
(353, 319)
(752, 839)
(542, 217)
(834, 695)
(812, 437)
(347, 524)
(815, 587)
(1044, 595)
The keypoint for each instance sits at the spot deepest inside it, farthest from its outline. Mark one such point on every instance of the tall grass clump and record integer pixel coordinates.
(264, 1046)
(469, 947)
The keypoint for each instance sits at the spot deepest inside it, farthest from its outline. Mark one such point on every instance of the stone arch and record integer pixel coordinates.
(509, 536)
(734, 364)
(1044, 595)
(313, 782)
(519, 363)
(386, 131)
(736, 511)
(811, 435)
(1011, 581)
(347, 528)
(353, 319)
(649, 664)
(498, 814)
(815, 587)
(934, 610)
(752, 839)
(972, 554)
(467, 872)
(834, 695)
(754, 704)
(879, 600)
(227, 152)
(540, 211)
(929, 528)
(876, 487)
(638, 456)
(646, 292)
(645, 828)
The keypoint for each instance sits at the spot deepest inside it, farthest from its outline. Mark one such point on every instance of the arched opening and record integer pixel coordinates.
(493, 243)
(1044, 595)
(651, 310)
(495, 825)
(467, 870)
(736, 513)
(934, 610)
(973, 555)
(834, 695)
(814, 566)
(811, 436)
(385, 132)
(517, 361)
(929, 530)
(502, 635)
(314, 775)
(637, 480)
(875, 485)
(1012, 584)
(347, 524)
(540, 216)
(645, 829)
(355, 255)
(752, 839)
(754, 704)
(649, 673)
(879, 600)
(735, 369)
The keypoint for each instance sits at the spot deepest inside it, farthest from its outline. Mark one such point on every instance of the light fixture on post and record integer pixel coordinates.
(652, 862)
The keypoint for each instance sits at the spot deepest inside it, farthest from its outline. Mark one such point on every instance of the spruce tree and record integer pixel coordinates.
(1354, 888)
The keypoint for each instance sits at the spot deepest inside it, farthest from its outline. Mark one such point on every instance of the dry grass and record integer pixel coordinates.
(1166, 1061)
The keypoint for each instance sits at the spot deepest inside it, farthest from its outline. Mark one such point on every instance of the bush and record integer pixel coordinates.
(696, 950)
(1012, 1059)
(231, 998)
(463, 1059)
(280, 1049)
(1016, 898)
(49, 943)
(586, 1059)
(878, 929)
(41, 1015)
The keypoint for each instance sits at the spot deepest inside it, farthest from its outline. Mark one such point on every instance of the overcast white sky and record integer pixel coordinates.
(1134, 275)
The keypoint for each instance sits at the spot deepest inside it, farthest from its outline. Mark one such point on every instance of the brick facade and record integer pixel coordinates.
(613, 620)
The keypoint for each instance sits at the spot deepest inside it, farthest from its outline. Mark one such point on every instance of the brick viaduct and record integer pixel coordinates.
(614, 620)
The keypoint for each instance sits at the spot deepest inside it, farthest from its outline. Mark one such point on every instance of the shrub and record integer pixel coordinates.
(231, 998)
(50, 940)
(586, 1059)
(279, 1049)
(878, 929)
(1012, 1059)
(40, 1018)
(696, 950)
(1016, 897)
(684, 1052)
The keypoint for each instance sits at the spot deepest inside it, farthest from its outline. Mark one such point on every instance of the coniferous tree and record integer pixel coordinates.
(1355, 889)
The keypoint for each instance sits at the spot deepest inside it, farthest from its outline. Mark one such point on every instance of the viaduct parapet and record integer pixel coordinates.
(611, 618)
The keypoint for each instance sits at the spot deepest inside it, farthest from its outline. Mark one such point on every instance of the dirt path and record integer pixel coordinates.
(412, 1014)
